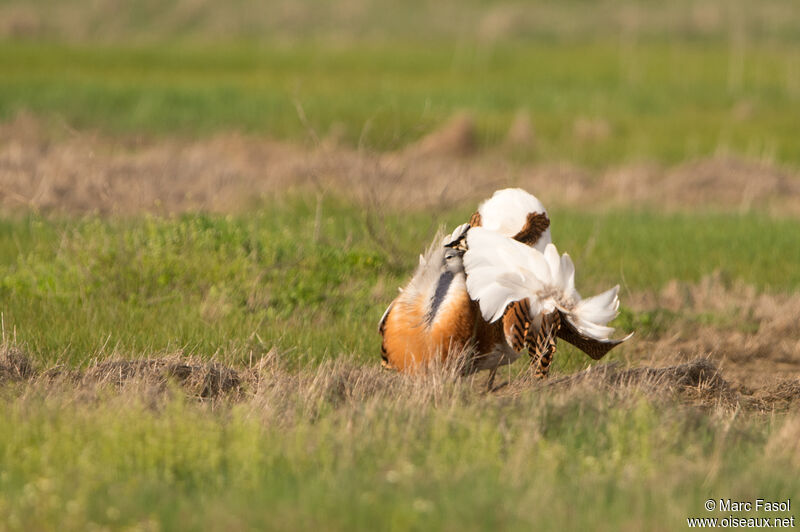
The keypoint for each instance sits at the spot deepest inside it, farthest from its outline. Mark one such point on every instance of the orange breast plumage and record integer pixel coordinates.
(425, 326)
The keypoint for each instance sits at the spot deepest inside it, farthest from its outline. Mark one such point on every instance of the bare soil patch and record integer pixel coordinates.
(86, 172)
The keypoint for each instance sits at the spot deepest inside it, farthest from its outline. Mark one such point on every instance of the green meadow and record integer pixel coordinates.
(287, 290)
(659, 101)
(295, 459)
(330, 441)
(210, 283)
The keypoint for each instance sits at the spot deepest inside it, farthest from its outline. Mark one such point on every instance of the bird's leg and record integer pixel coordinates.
(490, 382)
(542, 344)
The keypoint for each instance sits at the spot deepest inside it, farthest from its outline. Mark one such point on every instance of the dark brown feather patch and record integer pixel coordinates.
(382, 332)
(596, 349)
(534, 228)
(475, 220)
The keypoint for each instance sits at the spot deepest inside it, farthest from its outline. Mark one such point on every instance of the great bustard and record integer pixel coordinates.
(492, 288)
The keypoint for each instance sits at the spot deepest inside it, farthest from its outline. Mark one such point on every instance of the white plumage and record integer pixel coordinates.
(507, 211)
(501, 271)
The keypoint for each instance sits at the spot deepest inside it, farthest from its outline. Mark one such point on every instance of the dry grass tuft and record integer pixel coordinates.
(753, 336)
(14, 365)
(307, 391)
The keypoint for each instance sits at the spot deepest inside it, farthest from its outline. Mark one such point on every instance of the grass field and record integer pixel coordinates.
(592, 103)
(325, 439)
(379, 453)
(204, 211)
(207, 283)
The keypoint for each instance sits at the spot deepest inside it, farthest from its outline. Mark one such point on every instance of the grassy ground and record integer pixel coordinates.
(377, 453)
(592, 103)
(283, 277)
(323, 438)
(284, 291)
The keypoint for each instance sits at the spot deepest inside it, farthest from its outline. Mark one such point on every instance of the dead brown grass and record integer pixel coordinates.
(455, 138)
(699, 382)
(14, 365)
(753, 336)
(85, 172)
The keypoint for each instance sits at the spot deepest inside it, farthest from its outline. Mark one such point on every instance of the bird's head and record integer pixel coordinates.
(453, 260)
(457, 241)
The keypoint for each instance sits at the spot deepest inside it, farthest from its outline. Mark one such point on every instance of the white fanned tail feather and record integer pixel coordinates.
(501, 270)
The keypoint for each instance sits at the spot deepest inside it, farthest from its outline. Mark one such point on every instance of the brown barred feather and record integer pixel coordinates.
(475, 220)
(516, 322)
(535, 226)
(491, 346)
(542, 344)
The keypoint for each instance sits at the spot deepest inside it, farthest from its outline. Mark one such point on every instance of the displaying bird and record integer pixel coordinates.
(445, 308)
(434, 317)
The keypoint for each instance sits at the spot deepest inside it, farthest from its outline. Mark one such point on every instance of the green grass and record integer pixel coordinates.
(379, 21)
(657, 100)
(295, 462)
(329, 445)
(208, 283)
(326, 441)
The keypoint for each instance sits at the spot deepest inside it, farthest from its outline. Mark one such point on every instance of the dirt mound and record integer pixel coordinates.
(777, 396)
(728, 180)
(721, 181)
(206, 380)
(456, 138)
(698, 380)
(201, 379)
(725, 183)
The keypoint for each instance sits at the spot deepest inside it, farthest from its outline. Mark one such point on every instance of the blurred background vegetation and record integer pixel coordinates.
(134, 102)
(599, 82)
